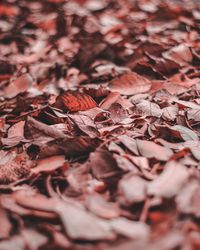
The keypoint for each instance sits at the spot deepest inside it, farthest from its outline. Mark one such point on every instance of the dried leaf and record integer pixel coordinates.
(49, 164)
(20, 85)
(180, 54)
(152, 150)
(132, 189)
(185, 133)
(130, 83)
(130, 229)
(170, 182)
(188, 200)
(103, 165)
(14, 167)
(149, 108)
(82, 225)
(74, 101)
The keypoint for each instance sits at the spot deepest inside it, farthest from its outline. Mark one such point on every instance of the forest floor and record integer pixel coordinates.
(99, 125)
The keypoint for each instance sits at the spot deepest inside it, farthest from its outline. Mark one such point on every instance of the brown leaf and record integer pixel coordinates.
(82, 225)
(149, 108)
(6, 225)
(129, 143)
(132, 189)
(194, 114)
(34, 239)
(103, 165)
(125, 164)
(150, 149)
(102, 208)
(130, 83)
(117, 112)
(74, 101)
(75, 146)
(180, 54)
(114, 97)
(85, 124)
(14, 167)
(170, 113)
(49, 164)
(16, 242)
(170, 182)
(131, 229)
(15, 135)
(20, 85)
(185, 133)
(41, 132)
(188, 200)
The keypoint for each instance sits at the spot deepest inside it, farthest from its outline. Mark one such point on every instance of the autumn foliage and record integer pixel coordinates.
(99, 124)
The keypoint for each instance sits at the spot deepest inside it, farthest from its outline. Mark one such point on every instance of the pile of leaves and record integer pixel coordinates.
(99, 124)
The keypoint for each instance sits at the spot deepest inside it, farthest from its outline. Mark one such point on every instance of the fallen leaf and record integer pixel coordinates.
(188, 200)
(180, 54)
(131, 229)
(132, 189)
(82, 225)
(170, 113)
(49, 164)
(20, 85)
(14, 167)
(149, 108)
(150, 149)
(185, 133)
(41, 132)
(15, 135)
(194, 114)
(130, 83)
(6, 226)
(6, 10)
(75, 146)
(102, 208)
(103, 165)
(74, 101)
(170, 181)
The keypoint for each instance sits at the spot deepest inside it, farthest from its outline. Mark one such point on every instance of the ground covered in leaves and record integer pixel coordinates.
(99, 124)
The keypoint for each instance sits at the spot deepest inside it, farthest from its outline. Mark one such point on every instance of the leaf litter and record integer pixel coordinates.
(99, 124)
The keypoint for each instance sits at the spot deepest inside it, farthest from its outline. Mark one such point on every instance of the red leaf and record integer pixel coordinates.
(74, 101)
